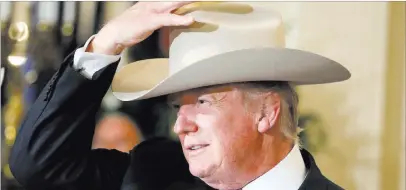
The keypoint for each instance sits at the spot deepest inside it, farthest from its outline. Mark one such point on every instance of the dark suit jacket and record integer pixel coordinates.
(53, 146)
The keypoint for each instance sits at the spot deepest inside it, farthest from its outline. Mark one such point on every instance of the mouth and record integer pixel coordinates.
(196, 147)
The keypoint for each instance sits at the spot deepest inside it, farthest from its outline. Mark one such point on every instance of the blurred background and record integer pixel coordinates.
(355, 129)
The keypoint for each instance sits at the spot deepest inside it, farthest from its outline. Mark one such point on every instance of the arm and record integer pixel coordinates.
(53, 146)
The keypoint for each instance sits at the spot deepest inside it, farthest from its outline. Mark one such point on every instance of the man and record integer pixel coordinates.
(116, 131)
(229, 79)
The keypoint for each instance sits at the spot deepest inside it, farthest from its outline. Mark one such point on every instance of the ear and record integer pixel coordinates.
(269, 113)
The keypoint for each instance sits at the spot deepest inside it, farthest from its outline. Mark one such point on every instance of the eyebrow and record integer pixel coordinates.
(201, 91)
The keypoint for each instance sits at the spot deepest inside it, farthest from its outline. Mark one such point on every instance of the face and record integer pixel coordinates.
(217, 133)
(116, 132)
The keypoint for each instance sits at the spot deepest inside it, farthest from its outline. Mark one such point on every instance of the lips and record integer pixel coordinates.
(195, 147)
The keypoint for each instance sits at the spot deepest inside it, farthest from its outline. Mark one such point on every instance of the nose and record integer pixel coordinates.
(185, 122)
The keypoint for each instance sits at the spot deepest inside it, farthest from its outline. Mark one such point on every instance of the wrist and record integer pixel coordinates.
(101, 46)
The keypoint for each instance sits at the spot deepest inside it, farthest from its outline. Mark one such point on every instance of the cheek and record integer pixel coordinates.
(213, 128)
(222, 128)
(236, 132)
(205, 122)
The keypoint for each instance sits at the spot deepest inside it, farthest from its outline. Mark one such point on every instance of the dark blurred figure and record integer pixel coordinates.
(116, 131)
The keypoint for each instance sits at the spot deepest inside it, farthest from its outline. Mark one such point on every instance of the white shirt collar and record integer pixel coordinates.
(288, 174)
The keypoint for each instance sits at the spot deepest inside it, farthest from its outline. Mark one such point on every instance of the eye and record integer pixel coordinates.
(202, 101)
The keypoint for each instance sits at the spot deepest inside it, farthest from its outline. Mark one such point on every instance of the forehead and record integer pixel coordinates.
(210, 91)
(112, 122)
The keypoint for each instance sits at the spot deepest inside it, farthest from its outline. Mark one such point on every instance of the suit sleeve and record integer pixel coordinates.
(53, 146)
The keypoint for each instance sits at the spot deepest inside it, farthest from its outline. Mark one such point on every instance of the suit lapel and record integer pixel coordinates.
(314, 179)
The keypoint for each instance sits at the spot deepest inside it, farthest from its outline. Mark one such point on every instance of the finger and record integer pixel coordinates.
(196, 6)
(166, 7)
(175, 20)
(162, 20)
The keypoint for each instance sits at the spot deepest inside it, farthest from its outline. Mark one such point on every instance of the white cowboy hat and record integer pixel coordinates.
(230, 42)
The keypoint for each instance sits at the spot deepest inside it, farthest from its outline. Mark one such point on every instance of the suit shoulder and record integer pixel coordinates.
(330, 185)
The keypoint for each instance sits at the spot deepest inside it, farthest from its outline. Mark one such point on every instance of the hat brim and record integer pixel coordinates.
(150, 78)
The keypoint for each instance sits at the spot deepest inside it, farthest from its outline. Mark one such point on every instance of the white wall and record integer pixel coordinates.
(354, 34)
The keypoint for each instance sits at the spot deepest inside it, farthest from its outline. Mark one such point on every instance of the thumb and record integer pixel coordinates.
(176, 20)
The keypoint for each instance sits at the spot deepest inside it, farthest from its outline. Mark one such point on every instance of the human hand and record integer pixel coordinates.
(135, 25)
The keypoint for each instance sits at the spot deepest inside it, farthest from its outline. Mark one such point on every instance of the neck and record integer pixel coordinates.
(273, 151)
(258, 161)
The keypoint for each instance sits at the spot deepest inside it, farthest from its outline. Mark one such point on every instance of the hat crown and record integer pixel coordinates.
(223, 28)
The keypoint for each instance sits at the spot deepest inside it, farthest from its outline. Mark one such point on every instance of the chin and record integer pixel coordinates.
(220, 185)
(213, 179)
(198, 171)
(208, 176)
(203, 170)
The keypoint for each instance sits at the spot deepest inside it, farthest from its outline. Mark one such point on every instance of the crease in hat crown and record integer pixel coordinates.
(221, 28)
(222, 31)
